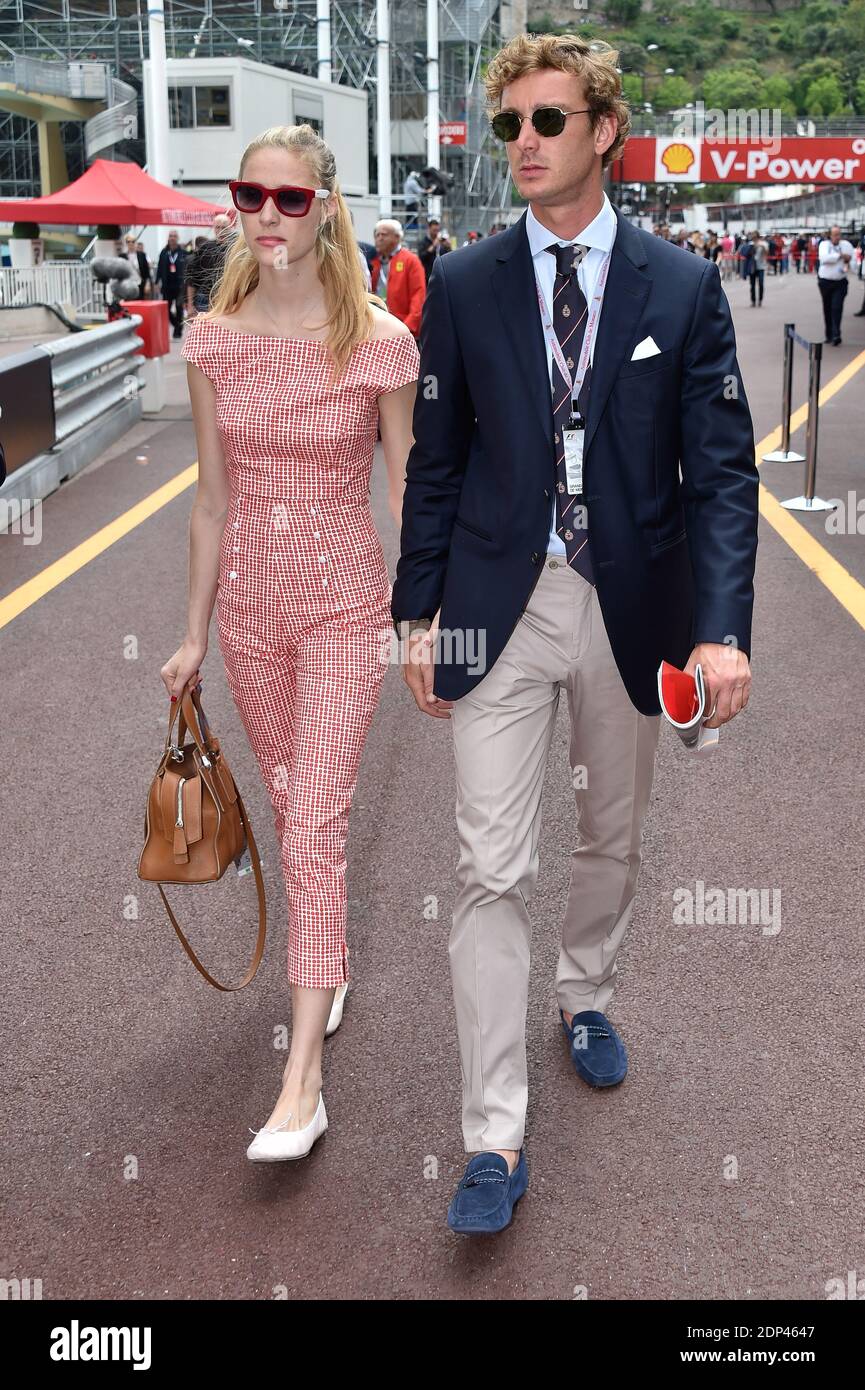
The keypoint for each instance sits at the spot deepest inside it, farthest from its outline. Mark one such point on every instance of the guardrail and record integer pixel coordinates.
(93, 371)
(94, 387)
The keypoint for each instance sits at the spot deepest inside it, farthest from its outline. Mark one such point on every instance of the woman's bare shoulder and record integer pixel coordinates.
(386, 325)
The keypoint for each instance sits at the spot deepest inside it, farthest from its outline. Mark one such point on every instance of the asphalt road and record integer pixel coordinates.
(728, 1165)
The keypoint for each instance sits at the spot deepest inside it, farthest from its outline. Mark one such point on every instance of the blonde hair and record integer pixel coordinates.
(349, 316)
(594, 62)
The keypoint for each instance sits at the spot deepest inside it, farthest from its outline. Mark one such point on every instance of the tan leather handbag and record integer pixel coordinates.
(196, 823)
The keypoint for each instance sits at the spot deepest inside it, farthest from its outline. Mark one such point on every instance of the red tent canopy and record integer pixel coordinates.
(108, 192)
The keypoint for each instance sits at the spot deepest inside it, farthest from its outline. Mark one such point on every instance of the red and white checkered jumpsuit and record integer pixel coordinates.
(304, 596)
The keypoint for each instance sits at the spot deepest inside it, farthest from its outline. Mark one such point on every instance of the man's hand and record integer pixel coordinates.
(727, 674)
(418, 669)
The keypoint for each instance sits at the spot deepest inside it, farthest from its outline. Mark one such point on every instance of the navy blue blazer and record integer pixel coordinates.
(670, 479)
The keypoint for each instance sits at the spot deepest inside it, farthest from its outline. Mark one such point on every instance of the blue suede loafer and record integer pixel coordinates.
(597, 1051)
(484, 1201)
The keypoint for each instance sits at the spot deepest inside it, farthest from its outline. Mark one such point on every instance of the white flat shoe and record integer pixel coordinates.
(275, 1145)
(336, 1009)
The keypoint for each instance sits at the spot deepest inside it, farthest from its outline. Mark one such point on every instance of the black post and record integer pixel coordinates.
(815, 357)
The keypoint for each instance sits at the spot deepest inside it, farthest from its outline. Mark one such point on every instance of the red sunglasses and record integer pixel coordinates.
(291, 202)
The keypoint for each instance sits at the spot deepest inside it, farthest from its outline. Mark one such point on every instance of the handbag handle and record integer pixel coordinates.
(262, 917)
(192, 717)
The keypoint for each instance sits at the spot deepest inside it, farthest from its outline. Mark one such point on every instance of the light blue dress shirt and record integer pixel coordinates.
(599, 235)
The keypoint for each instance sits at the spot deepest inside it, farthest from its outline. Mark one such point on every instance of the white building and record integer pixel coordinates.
(217, 105)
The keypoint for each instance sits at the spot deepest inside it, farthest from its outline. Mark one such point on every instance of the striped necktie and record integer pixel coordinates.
(569, 323)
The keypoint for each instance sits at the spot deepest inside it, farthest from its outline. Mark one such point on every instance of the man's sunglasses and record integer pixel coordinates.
(291, 201)
(547, 120)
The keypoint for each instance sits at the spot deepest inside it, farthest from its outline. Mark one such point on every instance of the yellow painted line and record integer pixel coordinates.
(49, 578)
(839, 581)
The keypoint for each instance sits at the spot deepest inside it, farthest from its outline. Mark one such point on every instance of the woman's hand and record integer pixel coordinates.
(181, 672)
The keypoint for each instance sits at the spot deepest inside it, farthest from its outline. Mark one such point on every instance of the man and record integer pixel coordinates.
(757, 257)
(170, 275)
(205, 266)
(547, 536)
(860, 313)
(414, 192)
(834, 256)
(397, 275)
(433, 245)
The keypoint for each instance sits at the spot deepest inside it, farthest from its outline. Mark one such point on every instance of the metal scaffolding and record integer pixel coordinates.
(286, 33)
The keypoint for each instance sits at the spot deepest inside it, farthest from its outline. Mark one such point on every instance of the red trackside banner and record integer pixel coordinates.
(683, 159)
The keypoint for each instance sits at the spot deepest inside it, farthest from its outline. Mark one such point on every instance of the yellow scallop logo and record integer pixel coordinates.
(677, 159)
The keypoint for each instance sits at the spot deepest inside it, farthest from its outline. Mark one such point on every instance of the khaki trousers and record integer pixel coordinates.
(502, 732)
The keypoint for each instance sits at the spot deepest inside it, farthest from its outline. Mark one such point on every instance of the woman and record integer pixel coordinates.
(134, 284)
(291, 372)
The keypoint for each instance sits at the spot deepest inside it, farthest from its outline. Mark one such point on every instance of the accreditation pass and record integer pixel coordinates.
(573, 437)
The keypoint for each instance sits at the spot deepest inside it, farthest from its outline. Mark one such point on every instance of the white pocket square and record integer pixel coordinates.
(647, 348)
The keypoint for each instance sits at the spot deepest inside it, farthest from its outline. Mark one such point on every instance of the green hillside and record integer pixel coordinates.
(805, 61)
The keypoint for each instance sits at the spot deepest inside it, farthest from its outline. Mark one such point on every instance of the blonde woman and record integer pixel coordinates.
(291, 373)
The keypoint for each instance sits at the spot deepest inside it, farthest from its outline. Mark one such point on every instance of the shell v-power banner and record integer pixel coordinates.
(687, 159)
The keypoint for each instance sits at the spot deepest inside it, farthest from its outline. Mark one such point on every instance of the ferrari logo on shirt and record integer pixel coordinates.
(399, 265)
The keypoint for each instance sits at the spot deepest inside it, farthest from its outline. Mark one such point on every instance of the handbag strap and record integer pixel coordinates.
(262, 916)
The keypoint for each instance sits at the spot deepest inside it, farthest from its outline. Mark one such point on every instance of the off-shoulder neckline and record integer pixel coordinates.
(277, 338)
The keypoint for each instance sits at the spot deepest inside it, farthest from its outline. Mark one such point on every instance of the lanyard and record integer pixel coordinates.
(574, 384)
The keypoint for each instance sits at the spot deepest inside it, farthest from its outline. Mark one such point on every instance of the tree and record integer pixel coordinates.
(623, 12)
(665, 11)
(824, 98)
(703, 18)
(632, 89)
(733, 86)
(778, 95)
(854, 22)
(674, 91)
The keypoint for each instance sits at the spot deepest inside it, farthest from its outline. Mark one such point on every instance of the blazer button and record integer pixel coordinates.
(536, 559)
(547, 493)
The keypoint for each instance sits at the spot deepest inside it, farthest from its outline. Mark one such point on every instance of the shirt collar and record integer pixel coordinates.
(600, 232)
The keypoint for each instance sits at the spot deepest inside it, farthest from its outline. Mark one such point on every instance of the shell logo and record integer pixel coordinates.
(677, 159)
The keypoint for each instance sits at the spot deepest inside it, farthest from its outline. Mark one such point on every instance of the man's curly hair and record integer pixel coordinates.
(594, 62)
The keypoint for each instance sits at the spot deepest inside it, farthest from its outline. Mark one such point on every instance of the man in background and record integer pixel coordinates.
(205, 265)
(834, 256)
(414, 192)
(170, 278)
(434, 244)
(397, 275)
(758, 256)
